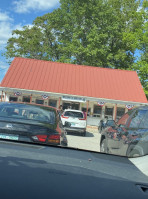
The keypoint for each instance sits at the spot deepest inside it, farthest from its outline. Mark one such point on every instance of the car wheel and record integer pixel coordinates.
(84, 134)
(103, 146)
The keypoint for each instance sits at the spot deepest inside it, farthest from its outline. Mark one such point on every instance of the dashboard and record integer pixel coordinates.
(37, 171)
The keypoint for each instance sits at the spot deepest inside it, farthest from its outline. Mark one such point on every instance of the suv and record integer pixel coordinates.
(129, 137)
(74, 121)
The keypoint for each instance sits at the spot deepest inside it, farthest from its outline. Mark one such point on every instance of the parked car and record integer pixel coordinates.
(74, 121)
(129, 137)
(103, 124)
(31, 123)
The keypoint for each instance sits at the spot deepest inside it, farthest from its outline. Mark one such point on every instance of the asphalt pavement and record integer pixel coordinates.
(90, 142)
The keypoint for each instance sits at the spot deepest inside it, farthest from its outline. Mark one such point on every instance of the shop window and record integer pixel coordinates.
(39, 101)
(53, 103)
(109, 111)
(120, 111)
(71, 105)
(97, 109)
(85, 109)
(13, 99)
(26, 99)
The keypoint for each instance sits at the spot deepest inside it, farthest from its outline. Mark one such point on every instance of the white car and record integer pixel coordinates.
(74, 121)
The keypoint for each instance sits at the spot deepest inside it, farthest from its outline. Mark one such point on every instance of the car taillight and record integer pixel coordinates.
(64, 117)
(54, 139)
(41, 138)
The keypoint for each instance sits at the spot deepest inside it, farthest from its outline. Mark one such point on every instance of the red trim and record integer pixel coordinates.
(64, 117)
(30, 98)
(115, 112)
(87, 109)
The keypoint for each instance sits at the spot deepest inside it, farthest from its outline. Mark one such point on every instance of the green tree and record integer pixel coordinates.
(103, 33)
(141, 66)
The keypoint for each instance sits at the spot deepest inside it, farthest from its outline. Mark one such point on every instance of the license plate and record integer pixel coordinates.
(9, 137)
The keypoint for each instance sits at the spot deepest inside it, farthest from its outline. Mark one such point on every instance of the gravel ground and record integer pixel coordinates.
(90, 142)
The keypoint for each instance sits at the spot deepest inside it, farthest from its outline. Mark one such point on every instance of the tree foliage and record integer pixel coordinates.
(103, 33)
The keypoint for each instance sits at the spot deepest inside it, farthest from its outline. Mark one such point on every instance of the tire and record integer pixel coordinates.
(84, 134)
(103, 146)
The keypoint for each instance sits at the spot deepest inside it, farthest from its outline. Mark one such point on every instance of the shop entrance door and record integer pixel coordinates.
(71, 105)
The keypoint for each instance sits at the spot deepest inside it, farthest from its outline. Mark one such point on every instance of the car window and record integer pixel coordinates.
(27, 113)
(73, 114)
(123, 120)
(144, 122)
(137, 118)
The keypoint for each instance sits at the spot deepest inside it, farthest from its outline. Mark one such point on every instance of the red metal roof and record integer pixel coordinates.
(73, 79)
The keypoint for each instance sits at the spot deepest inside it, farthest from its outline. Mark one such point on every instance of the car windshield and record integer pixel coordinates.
(74, 75)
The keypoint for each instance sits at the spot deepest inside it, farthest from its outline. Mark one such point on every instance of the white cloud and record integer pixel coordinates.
(24, 6)
(6, 31)
(6, 27)
(3, 65)
(4, 17)
(3, 69)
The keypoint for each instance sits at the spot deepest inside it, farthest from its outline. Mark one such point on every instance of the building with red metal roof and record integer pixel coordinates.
(62, 83)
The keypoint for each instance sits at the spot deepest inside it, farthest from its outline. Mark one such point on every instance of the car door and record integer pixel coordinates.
(131, 132)
(114, 134)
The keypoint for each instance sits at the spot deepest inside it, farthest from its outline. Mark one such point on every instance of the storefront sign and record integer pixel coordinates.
(101, 103)
(129, 106)
(73, 99)
(17, 93)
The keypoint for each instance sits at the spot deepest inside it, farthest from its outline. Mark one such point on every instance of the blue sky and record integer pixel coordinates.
(14, 14)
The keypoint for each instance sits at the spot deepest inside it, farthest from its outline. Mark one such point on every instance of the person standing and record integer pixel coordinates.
(60, 109)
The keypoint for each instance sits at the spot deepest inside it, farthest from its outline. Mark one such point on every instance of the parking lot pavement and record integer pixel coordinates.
(90, 142)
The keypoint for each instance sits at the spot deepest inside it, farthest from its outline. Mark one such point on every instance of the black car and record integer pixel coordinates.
(129, 137)
(31, 123)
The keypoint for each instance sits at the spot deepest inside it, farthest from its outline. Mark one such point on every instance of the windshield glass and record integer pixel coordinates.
(74, 74)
